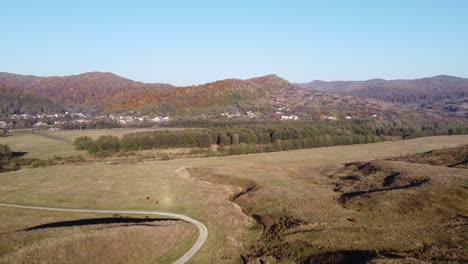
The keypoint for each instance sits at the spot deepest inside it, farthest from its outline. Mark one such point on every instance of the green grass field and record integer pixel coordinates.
(286, 179)
(47, 144)
(40, 147)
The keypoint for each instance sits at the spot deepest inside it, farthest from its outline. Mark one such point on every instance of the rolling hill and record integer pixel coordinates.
(16, 102)
(268, 96)
(264, 95)
(97, 92)
(441, 93)
(86, 92)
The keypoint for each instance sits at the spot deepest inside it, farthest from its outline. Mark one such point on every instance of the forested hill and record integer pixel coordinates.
(87, 92)
(108, 93)
(445, 93)
(267, 96)
(17, 102)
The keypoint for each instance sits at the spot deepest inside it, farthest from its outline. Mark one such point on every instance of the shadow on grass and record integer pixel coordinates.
(98, 221)
(344, 257)
(348, 196)
(18, 154)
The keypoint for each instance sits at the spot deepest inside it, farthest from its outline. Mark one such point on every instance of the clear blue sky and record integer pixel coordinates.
(191, 42)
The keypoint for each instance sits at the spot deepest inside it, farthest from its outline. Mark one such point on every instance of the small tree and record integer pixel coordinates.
(83, 143)
(5, 152)
(107, 144)
(223, 139)
(203, 140)
(234, 139)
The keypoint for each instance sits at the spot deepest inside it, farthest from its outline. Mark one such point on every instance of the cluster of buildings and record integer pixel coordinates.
(248, 114)
(332, 118)
(3, 125)
(129, 119)
(282, 113)
(58, 119)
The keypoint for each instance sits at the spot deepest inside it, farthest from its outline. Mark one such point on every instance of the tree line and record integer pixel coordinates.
(266, 137)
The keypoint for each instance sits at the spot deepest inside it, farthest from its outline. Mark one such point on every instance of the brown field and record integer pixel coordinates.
(285, 206)
(56, 237)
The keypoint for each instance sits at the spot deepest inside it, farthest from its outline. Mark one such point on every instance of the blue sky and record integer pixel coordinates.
(192, 42)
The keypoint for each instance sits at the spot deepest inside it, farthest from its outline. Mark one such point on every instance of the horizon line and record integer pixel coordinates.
(233, 78)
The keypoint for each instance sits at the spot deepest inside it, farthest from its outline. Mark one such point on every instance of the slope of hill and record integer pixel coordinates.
(442, 93)
(229, 94)
(264, 95)
(84, 92)
(267, 96)
(17, 102)
(456, 157)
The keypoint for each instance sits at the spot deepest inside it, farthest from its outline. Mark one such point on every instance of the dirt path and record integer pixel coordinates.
(186, 257)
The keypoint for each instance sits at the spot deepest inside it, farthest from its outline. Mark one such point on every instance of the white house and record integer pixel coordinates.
(289, 117)
(39, 124)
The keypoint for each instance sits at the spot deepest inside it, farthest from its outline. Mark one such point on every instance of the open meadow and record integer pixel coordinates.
(31, 236)
(254, 205)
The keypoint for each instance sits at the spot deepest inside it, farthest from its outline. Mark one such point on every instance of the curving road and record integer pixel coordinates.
(186, 257)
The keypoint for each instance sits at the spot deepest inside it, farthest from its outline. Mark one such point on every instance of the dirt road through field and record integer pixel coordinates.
(186, 257)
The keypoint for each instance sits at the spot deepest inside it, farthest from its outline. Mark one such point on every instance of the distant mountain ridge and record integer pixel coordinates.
(99, 92)
(442, 92)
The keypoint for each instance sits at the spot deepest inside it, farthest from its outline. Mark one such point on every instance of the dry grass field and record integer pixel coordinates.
(40, 147)
(30, 236)
(280, 207)
(49, 144)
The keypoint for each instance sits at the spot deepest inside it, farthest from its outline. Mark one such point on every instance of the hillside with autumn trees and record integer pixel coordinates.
(267, 96)
(441, 93)
(17, 102)
(88, 92)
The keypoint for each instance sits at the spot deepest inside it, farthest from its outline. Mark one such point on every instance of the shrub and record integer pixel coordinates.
(5, 152)
(165, 156)
(42, 163)
(84, 143)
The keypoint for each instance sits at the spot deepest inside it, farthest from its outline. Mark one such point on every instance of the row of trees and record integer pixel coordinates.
(272, 136)
(292, 144)
(108, 145)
